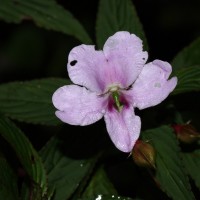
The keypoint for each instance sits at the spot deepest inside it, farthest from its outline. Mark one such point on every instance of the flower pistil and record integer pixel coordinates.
(117, 103)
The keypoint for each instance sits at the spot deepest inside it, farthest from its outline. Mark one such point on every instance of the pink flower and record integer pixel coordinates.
(111, 83)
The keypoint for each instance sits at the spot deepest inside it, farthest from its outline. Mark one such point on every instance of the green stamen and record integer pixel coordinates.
(118, 104)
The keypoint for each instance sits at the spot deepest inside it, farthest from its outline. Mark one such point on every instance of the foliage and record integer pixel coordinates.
(63, 169)
(169, 172)
(30, 101)
(117, 15)
(47, 14)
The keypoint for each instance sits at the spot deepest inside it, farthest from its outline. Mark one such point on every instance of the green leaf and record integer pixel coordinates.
(64, 173)
(31, 101)
(188, 80)
(99, 184)
(188, 57)
(169, 170)
(8, 181)
(117, 15)
(192, 165)
(25, 152)
(186, 66)
(34, 191)
(45, 13)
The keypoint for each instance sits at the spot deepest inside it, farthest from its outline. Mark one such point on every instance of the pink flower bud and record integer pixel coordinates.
(144, 154)
(186, 133)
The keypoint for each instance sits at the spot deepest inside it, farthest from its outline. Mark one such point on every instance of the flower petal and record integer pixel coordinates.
(125, 56)
(152, 86)
(78, 106)
(123, 128)
(85, 67)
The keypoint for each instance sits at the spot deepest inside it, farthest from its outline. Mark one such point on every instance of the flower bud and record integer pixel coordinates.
(186, 133)
(144, 154)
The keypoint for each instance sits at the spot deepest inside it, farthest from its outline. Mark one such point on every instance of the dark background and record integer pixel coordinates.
(28, 52)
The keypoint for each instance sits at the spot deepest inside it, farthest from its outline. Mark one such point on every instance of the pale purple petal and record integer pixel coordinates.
(119, 63)
(152, 86)
(125, 56)
(123, 128)
(78, 106)
(86, 67)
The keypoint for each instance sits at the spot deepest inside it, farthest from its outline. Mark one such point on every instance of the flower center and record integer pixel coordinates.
(117, 103)
(113, 88)
(117, 99)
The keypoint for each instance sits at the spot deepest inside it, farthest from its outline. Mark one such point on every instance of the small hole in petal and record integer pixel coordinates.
(72, 63)
(143, 58)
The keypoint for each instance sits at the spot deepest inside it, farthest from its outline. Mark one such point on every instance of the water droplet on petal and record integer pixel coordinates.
(112, 43)
(158, 85)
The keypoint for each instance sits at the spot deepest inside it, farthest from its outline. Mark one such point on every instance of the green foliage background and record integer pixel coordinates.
(42, 158)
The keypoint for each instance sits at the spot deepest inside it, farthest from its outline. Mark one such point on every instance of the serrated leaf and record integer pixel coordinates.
(99, 184)
(186, 66)
(188, 80)
(8, 182)
(117, 15)
(25, 152)
(64, 173)
(31, 101)
(45, 13)
(169, 170)
(188, 57)
(35, 192)
(192, 164)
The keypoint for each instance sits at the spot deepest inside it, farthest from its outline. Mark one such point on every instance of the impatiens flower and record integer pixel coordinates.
(111, 83)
